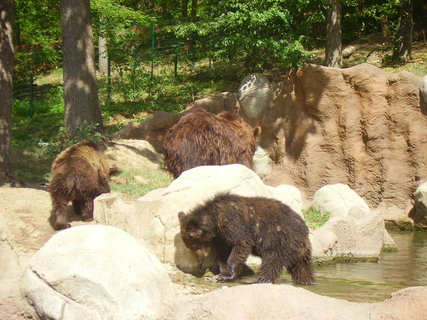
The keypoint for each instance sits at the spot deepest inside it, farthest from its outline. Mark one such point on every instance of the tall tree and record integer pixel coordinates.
(334, 35)
(184, 9)
(102, 49)
(193, 10)
(7, 62)
(80, 86)
(403, 39)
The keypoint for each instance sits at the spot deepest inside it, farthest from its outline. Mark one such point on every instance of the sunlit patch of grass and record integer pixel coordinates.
(55, 77)
(132, 184)
(315, 218)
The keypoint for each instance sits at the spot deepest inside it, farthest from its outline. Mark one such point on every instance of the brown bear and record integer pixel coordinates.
(79, 174)
(236, 226)
(202, 138)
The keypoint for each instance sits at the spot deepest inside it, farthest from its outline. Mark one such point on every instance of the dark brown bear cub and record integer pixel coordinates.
(237, 226)
(79, 174)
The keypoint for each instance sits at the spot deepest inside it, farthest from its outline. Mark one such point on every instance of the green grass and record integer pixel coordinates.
(32, 161)
(315, 218)
(132, 184)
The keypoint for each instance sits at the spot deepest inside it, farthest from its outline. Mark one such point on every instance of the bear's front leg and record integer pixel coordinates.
(235, 263)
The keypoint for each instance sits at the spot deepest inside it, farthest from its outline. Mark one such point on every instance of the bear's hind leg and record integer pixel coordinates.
(59, 214)
(302, 272)
(87, 209)
(271, 267)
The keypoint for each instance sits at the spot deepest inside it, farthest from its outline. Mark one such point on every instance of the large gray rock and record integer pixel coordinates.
(359, 235)
(420, 208)
(353, 231)
(96, 272)
(337, 199)
(255, 96)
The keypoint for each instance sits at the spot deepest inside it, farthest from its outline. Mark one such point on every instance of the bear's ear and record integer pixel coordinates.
(257, 131)
(181, 217)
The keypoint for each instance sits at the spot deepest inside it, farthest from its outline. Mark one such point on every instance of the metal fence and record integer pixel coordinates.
(161, 48)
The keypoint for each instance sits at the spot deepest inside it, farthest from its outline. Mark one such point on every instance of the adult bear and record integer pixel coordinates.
(79, 174)
(202, 138)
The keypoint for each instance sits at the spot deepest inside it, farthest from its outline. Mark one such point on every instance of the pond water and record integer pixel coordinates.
(375, 281)
(359, 281)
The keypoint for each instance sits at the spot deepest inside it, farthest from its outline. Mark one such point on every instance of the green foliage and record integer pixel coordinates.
(120, 25)
(135, 92)
(361, 18)
(47, 118)
(37, 32)
(259, 32)
(315, 218)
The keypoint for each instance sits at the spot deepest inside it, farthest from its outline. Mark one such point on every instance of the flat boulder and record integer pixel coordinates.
(268, 301)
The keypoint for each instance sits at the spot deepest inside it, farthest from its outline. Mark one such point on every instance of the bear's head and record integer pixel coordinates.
(197, 233)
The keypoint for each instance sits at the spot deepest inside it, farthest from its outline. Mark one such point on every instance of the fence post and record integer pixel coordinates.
(176, 60)
(152, 49)
(108, 80)
(31, 91)
(134, 67)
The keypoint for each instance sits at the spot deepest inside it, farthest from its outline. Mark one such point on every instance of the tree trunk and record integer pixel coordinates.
(184, 9)
(102, 52)
(193, 10)
(403, 39)
(385, 30)
(334, 35)
(80, 86)
(7, 62)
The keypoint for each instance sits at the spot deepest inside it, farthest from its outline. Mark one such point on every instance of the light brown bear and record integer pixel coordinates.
(79, 174)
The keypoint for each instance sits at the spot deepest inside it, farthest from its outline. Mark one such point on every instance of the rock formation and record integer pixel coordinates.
(358, 126)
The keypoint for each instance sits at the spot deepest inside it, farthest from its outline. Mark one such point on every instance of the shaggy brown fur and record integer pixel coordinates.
(237, 226)
(79, 174)
(202, 138)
